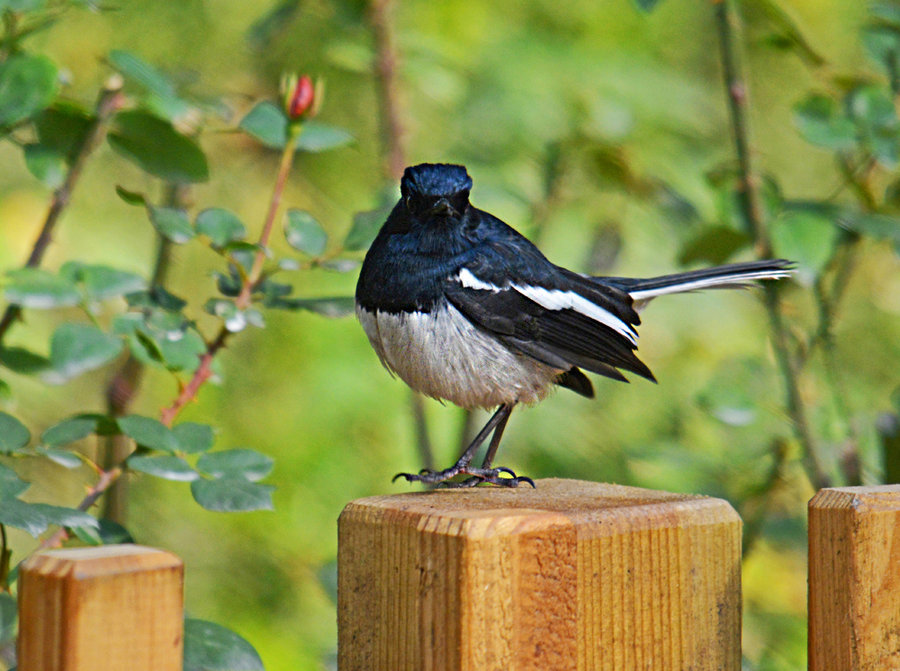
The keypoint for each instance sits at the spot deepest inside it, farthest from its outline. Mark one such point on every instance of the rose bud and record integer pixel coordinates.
(300, 98)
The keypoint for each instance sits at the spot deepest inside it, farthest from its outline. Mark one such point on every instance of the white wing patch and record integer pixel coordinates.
(556, 299)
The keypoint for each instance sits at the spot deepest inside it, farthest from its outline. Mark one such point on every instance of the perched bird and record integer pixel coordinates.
(465, 309)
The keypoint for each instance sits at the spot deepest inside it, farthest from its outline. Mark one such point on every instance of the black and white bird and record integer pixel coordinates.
(465, 309)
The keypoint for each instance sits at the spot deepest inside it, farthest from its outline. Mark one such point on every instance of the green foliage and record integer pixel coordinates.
(27, 85)
(599, 133)
(156, 147)
(304, 233)
(210, 647)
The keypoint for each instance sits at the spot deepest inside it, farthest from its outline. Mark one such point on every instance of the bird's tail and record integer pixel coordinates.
(734, 275)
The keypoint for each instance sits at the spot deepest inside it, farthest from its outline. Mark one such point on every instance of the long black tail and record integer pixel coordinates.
(734, 275)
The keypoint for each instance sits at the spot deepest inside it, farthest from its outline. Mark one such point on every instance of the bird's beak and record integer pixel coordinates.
(443, 208)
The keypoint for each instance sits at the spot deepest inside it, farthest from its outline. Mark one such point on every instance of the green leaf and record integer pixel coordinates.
(63, 128)
(872, 108)
(45, 164)
(273, 22)
(20, 360)
(106, 533)
(149, 432)
(232, 494)
(327, 307)
(304, 233)
(167, 467)
(5, 391)
(78, 348)
(249, 464)
(69, 430)
(266, 123)
(883, 46)
(103, 282)
(60, 457)
(8, 614)
(879, 226)
(713, 244)
(228, 312)
(819, 121)
(211, 647)
(39, 289)
(193, 437)
(220, 226)
(804, 237)
(157, 148)
(171, 223)
(13, 434)
(27, 85)
(36, 517)
(364, 229)
(161, 95)
(179, 354)
(11, 485)
(131, 197)
(317, 137)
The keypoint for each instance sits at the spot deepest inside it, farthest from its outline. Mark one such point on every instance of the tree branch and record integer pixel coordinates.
(727, 23)
(109, 102)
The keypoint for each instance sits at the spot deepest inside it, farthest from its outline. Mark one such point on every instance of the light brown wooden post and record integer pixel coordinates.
(854, 579)
(109, 608)
(571, 575)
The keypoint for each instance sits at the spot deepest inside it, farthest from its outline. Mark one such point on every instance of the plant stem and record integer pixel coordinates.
(124, 386)
(204, 370)
(109, 102)
(386, 58)
(393, 134)
(727, 22)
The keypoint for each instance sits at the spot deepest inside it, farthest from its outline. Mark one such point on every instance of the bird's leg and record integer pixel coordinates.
(496, 423)
(495, 439)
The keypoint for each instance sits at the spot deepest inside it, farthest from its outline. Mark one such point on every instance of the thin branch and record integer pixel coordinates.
(124, 386)
(386, 59)
(204, 370)
(393, 134)
(110, 101)
(727, 23)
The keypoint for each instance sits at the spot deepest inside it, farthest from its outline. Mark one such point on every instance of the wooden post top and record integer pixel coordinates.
(872, 497)
(104, 560)
(479, 511)
(570, 575)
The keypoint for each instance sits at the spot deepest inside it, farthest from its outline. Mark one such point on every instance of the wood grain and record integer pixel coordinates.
(854, 579)
(107, 608)
(571, 575)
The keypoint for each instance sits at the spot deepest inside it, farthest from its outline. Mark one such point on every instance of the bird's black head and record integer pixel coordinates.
(436, 190)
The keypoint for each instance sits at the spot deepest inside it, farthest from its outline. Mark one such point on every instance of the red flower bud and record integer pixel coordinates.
(301, 98)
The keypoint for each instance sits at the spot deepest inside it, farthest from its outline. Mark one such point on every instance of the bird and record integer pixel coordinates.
(465, 309)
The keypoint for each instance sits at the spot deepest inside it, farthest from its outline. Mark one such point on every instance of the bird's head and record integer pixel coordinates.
(439, 191)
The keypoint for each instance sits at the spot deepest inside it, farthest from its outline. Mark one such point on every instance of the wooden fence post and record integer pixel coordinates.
(571, 575)
(854, 579)
(107, 608)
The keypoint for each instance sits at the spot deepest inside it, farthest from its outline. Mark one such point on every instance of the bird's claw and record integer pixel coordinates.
(479, 476)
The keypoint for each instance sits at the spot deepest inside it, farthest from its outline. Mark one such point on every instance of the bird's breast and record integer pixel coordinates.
(443, 355)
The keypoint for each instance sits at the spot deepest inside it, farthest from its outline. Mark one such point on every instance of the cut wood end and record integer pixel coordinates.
(98, 561)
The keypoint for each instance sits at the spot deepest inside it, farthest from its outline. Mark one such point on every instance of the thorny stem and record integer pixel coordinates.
(727, 22)
(393, 136)
(204, 370)
(110, 101)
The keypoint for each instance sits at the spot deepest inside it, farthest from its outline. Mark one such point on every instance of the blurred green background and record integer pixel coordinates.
(596, 128)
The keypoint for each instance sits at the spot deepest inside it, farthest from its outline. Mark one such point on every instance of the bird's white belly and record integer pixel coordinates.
(442, 355)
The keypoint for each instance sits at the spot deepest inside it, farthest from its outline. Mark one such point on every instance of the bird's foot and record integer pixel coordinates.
(500, 476)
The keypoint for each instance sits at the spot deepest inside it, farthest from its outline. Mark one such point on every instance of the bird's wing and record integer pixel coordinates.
(557, 317)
